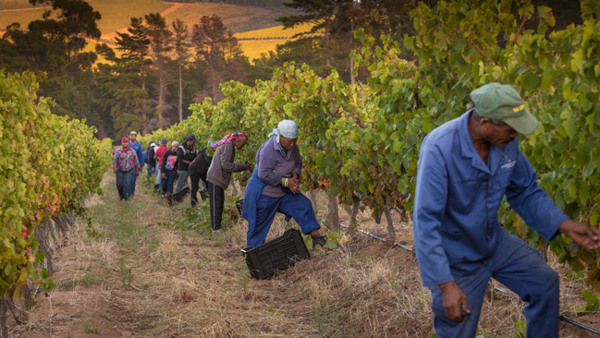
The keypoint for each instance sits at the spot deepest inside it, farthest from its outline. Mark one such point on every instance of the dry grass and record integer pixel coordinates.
(144, 280)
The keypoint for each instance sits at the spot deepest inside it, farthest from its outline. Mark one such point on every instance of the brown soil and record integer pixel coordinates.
(141, 279)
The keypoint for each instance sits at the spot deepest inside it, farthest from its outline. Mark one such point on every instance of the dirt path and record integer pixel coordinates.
(136, 275)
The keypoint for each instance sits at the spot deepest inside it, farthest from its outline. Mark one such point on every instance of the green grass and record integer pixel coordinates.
(87, 279)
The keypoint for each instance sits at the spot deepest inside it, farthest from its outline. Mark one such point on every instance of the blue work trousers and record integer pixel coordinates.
(123, 182)
(295, 206)
(150, 167)
(133, 180)
(158, 178)
(520, 268)
(182, 180)
(168, 181)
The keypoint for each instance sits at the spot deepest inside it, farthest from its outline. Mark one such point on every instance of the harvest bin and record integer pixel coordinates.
(277, 254)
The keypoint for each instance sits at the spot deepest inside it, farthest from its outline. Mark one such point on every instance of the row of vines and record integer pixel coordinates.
(49, 165)
(363, 139)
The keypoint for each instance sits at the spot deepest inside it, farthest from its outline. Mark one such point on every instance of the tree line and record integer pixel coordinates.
(158, 68)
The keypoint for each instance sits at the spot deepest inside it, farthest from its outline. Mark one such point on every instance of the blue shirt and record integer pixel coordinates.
(458, 195)
(139, 151)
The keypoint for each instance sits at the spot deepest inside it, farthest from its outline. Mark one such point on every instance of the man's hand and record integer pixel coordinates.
(294, 185)
(115, 170)
(582, 233)
(454, 299)
(163, 175)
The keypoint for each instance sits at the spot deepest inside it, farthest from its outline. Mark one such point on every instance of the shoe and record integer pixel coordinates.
(319, 240)
(216, 231)
(204, 194)
(170, 199)
(162, 196)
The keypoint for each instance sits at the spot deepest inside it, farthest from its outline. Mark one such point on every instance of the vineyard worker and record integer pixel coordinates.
(275, 187)
(168, 171)
(158, 156)
(186, 154)
(219, 173)
(149, 156)
(466, 167)
(198, 170)
(139, 151)
(125, 163)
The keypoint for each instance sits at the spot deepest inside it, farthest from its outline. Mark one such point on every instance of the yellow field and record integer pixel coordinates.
(261, 41)
(254, 48)
(116, 14)
(236, 18)
(247, 22)
(274, 32)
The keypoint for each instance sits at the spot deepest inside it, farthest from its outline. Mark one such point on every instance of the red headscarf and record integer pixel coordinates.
(227, 139)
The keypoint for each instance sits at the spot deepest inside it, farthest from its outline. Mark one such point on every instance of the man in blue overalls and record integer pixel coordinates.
(466, 167)
(136, 146)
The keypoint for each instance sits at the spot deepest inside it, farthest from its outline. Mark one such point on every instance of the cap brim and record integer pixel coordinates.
(524, 124)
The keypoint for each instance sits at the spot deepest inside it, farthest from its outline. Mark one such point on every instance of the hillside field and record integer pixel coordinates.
(247, 22)
(116, 14)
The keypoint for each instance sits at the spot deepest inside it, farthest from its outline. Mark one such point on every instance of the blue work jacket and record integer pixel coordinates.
(139, 151)
(458, 195)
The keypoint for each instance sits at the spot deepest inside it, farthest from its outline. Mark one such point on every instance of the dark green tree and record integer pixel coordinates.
(161, 44)
(181, 51)
(219, 49)
(133, 109)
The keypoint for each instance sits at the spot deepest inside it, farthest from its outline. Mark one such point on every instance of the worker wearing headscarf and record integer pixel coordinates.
(219, 173)
(275, 187)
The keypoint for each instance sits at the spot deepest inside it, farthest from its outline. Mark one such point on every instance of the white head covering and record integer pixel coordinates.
(285, 128)
(153, 144)
(174, 144)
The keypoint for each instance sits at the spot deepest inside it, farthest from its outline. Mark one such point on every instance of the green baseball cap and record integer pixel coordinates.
(133, 133)
(502, 102)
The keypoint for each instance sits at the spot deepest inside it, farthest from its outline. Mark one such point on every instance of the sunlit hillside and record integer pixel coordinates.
(254, 26)
(116, 14)
(261, 41)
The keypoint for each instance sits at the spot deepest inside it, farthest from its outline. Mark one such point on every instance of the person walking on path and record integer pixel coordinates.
(465, 169)
(139, 151)
(186, 154)
(150, 161)
(125, 163)
(198, 170)
(275, 187)
(158, 156)
(219, 173)
(169, 171)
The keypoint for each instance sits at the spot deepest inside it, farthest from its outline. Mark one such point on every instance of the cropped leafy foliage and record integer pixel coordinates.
(363, 139)
(50, 164)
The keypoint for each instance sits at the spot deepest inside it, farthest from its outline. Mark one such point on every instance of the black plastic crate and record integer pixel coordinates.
(277, 254)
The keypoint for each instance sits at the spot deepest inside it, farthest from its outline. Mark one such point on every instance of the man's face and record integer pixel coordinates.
(287, 143)
(191, 143)
(239, 143)
(174, 147)
(498, 135)
(132, 137)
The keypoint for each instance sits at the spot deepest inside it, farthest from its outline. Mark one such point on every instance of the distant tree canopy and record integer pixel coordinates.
(161, 67)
